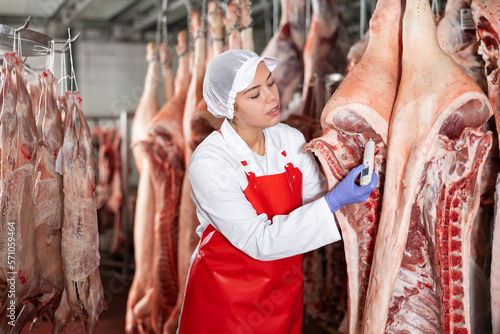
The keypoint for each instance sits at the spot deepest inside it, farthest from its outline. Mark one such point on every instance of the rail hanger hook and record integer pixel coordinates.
(435, 7)
(17, 35)
(73, 74)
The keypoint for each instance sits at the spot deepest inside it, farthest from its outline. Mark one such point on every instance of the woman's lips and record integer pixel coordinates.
(275, 111)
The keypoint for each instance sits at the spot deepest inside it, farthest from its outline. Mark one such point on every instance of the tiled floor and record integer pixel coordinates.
(113, 320)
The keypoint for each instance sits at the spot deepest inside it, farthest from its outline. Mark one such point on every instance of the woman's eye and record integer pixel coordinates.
(254, 97)
(272, 83)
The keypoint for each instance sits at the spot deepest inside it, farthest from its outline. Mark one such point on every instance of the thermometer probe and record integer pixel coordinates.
(368, 159)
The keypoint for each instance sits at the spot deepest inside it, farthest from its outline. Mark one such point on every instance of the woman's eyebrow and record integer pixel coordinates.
(252, 88)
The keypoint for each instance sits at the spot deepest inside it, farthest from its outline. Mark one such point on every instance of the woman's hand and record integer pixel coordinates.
(348, 192)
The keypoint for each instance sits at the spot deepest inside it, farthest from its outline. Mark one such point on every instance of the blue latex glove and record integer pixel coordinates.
(348, 192)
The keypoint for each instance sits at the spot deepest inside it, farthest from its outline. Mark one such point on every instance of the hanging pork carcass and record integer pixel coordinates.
(83, 293)
(167, 74)
(324, 53)
(486, 15)
(142, 303)
(109, 194)
(232, 22)
(197, 124)
(48, 201)
(246, 26)
(216, 30)
(419, 282)
(359, 111)
(20, 270)
(287, 45)
(356, 51)
(457, 37)
(165, 149)
(145, 205)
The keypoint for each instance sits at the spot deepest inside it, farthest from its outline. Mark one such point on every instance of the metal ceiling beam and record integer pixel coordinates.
(81, 9)
(174, 9)
(59, 9)
(135, 9)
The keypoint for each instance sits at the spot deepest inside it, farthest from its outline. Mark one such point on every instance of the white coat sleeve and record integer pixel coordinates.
(314, 184)
(220, 201)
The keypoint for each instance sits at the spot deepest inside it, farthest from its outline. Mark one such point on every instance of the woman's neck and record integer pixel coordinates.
(253, 137)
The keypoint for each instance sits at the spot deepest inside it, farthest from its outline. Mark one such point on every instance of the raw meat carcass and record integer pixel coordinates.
(216, 30)
(48, 195)
(486, 15)
(141, 296)
(356, 51)
(61, 104)
(167, 75)
(324, 53)
(231, 22)
(34, 91)
(115, 200)
(419, 282)
(101, 142)
(148, 103)
(188, 221)
(19, 271)
(287, 45)
(109, 196)
(459, 44)
(245, 27)
(83, 293)
(145, 204)
(165, 148)
(351, 117)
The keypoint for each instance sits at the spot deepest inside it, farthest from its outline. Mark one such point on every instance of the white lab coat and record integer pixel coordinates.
(218, 180)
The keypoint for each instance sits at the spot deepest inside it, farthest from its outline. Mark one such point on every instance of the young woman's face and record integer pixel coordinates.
(259, 105)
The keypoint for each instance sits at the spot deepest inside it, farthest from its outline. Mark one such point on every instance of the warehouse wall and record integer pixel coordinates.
(110, 75)
(111, 79)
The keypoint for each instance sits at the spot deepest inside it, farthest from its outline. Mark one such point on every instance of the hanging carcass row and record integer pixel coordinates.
(360, 110)
(486, 15)
(164, 148)
(419, 282)
(19, 271)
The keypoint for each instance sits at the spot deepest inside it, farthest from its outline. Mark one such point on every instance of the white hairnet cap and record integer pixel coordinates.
(228, 74)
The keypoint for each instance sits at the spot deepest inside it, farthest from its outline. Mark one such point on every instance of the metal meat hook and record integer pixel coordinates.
(25, 26)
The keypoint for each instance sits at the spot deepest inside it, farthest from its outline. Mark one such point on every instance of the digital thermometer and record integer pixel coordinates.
(368, 159)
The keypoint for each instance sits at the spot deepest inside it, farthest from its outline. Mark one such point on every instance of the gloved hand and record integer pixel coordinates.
(348, 192)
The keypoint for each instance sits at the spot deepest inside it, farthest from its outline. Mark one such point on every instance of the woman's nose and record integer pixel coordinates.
(270, 95)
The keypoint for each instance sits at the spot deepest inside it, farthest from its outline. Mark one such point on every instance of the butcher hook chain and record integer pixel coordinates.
(249, 5)
(204, 14)
(161, 28)
(189, 10)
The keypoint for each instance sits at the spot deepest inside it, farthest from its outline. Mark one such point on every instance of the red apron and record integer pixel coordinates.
(228, 292)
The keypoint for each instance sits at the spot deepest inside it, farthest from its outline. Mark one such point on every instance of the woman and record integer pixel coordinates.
(261, 204)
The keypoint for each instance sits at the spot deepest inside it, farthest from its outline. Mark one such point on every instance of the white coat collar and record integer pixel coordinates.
(245, 156)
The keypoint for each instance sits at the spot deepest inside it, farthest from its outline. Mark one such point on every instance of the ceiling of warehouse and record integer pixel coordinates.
(133, 20)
